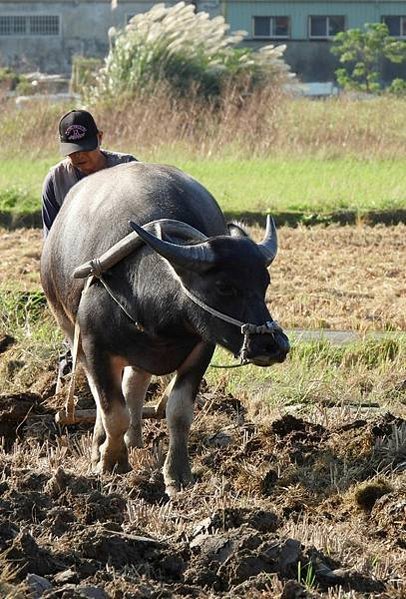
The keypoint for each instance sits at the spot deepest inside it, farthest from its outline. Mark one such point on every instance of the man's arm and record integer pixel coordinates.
(50, 207)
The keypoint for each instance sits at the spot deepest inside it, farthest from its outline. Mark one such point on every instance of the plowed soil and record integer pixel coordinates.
(284, 508)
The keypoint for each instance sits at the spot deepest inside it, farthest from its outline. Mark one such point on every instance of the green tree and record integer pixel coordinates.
(363, 53)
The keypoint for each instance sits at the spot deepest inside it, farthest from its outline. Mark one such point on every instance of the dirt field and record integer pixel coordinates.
(281, 507)
(333, 277)
(305, 502)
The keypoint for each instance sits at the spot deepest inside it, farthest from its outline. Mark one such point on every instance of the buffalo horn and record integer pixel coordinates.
(199, 257)
(269, 244)
(131, 242)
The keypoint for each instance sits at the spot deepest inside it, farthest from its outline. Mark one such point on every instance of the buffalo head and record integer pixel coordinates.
(224, 281)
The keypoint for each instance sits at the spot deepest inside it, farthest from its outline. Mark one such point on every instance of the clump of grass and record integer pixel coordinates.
(25, 317)
(391, 449)
(12, 198)
(370, 353)
(306, 575)
(21, 312)
(366, 494)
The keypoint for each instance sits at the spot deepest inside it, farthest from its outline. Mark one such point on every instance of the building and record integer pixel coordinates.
(45, 35)
(307, 27)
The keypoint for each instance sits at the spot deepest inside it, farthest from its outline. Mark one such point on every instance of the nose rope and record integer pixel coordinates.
(247, 329)
(269, 328)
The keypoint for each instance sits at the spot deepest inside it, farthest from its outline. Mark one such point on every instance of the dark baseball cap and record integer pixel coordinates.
(77, 132)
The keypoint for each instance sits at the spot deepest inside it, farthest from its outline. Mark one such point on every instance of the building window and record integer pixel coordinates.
(273, 27)
(44, 25)
(396, 25)
(13, 25)
(324, 27)
(29, 25)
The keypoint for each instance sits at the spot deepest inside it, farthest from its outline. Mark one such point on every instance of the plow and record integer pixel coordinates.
(70, 415)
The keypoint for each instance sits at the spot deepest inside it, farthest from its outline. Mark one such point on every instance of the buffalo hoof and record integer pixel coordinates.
(133, 438)
(106, 467)
(111, 462)
(172, 488)
(175, 482)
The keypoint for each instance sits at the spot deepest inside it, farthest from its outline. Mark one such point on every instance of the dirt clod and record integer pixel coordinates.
(25, 554)
(294, 590)
(368, 493)
(6, 341)
(389, 516)
(14, 409)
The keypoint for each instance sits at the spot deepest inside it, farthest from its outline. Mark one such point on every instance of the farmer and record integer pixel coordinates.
(80, 141)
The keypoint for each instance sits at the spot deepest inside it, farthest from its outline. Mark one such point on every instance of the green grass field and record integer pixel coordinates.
(257, 185)
(287, 155)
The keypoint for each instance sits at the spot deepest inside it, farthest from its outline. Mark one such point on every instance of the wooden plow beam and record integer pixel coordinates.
(157, 411)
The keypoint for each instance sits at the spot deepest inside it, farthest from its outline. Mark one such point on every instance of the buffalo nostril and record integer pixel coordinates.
(280, 348)
(282, 343)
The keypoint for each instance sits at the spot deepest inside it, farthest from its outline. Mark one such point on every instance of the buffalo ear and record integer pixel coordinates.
(237, 230)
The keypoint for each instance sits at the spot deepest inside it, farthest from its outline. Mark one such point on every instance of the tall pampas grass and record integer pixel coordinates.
(187, 50)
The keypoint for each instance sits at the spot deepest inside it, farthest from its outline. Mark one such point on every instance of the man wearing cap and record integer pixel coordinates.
(80, 142)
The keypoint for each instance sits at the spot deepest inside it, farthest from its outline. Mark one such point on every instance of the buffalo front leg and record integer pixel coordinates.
(109, 450)
(135, 385)
(179, 415)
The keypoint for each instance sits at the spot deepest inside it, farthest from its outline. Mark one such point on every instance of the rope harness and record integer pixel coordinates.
(97, 272)
(247, 329)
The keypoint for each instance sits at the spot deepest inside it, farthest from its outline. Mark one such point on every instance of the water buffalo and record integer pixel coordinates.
(176, 297)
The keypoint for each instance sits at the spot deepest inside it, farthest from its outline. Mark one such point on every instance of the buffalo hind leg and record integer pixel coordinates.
(179, 415)
(135, 385)
(109, 450)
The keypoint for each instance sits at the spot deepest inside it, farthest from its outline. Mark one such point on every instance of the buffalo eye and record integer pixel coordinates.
(226, 289)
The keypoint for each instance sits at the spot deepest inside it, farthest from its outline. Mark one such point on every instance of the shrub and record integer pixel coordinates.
(84, 72)
(8, 79)
(25, 87)
(187, 50)
(398, 87)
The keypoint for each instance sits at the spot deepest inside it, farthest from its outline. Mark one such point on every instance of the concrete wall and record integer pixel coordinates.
(83, 30)
(239, 13)
(313, 61)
